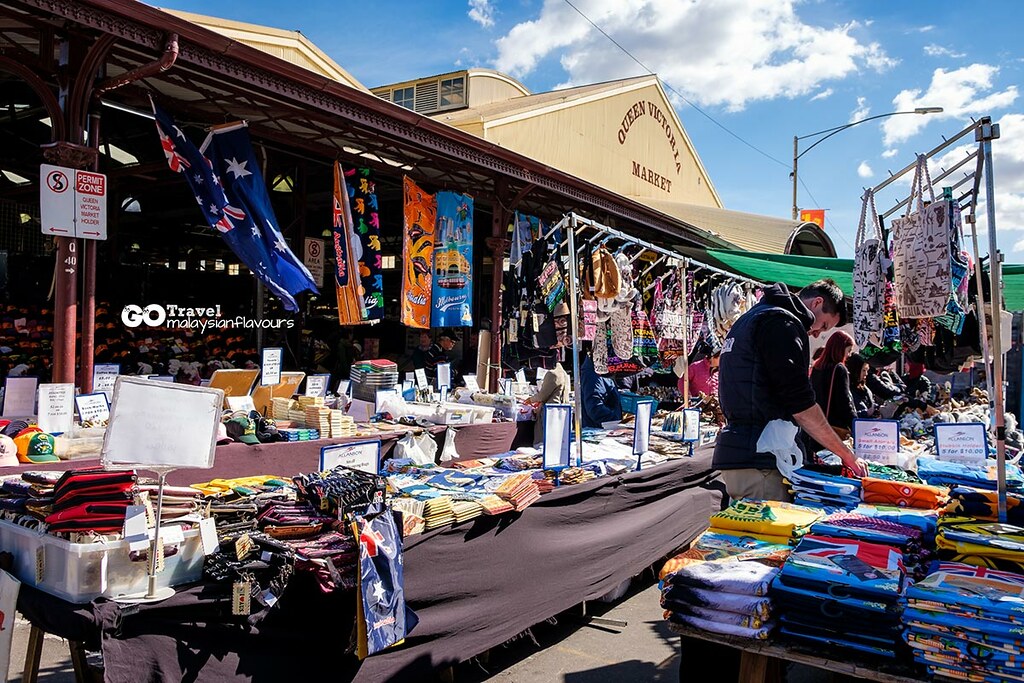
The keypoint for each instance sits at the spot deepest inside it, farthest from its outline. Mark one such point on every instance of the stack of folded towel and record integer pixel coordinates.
(770, 521)
(820, 490)
(967, 623)
(727, 598)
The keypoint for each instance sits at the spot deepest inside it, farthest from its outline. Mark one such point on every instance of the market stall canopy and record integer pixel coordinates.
(794, 271)
(751, 231)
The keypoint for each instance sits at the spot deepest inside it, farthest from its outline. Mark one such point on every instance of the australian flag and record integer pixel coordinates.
(229, 188)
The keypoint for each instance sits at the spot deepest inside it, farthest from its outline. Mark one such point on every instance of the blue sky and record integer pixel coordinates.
(765, 69)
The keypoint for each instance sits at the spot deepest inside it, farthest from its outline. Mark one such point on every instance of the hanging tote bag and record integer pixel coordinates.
(645, 347)
(868, 276)
(923, 277)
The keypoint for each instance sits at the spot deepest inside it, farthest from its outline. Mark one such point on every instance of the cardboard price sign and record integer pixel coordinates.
(877, 440)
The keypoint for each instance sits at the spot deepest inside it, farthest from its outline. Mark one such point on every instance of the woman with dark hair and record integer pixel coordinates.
(863, 399)
(831, 382)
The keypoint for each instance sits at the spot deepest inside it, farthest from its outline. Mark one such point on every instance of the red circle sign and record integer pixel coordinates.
(57, 181)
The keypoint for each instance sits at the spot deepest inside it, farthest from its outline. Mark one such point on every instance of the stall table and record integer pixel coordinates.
(473, 586)
(288, 458)
(761, 661)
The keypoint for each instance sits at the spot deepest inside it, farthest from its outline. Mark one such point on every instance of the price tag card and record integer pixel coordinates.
(421, 378)
(642, 428)
(471, 382)
(966, 443)
(344, 387)
(541, 372)
(103, 378)
(20, 396)
(444, 394)
(508, 387)
(444, 375)
(208, 535)
(557, 429)
(316, 385)
(240, 403)
(56, 407)
(271, 367)
(691, 424)
(92, 407)
(877, 440)
(360, 455)
(521, 376)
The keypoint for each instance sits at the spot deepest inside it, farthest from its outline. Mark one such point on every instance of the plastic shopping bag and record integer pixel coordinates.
(779, 437)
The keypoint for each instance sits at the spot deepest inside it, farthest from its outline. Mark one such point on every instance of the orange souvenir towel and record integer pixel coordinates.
(417, 254)
(901, 494)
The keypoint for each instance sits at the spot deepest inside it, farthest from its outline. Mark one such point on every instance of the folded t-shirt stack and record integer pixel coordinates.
(771, 521)
(983, 476)
(713, 547)
(966, 501)
(903, 494)
(727, 598)
(821, 490)
(841, 593)
(93, 500)
(981, 543)
(967, 623)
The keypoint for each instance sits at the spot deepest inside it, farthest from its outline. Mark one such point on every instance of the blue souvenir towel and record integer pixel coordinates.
(942, 473)
(846, 567)
(786, 597)
(386, 619)
(925, 520)
(999, 595)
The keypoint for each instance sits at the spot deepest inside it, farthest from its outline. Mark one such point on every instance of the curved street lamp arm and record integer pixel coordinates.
(839, 129)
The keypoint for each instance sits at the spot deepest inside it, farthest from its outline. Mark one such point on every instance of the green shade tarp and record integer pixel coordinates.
(798, 271)
(794, 271)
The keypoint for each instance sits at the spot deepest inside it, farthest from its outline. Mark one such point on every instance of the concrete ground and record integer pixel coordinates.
(564, 650)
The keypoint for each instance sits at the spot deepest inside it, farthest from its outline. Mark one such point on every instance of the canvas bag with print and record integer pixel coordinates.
(923, 277)
(868, 276)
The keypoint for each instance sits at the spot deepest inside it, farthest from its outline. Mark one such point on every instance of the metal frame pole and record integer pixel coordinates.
(574, 322)
(987, 132)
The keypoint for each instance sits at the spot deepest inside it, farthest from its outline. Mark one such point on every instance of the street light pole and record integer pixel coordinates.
(829, 132)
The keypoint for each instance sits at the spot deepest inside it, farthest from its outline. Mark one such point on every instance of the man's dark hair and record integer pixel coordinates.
(831, 294)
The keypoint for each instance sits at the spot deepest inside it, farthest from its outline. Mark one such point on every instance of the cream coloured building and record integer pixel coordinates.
(623, 135)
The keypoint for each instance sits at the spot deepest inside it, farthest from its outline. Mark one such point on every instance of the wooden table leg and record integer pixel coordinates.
(753, 668)
(34, 654)
(78, 661)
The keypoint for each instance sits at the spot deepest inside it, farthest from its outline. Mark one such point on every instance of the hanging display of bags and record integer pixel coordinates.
(868, 276)
(921, 260)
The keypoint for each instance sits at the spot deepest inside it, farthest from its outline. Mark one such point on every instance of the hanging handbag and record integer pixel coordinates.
(645, 348)
(868, 276)
(921, 259)
(588, 319)
(842, 432)
(606, 274)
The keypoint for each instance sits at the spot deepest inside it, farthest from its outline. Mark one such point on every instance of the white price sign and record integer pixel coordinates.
(877, 440)
(20, 396)
(965, 443)
(316, 385)
(271, 373)
(361, 455)
(103, 378)
(444, 375)
(93, 407)
(421, 377)
(642, 429)
(56, 407)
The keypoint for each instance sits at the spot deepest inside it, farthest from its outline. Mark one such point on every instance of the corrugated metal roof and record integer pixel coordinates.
(749, 231)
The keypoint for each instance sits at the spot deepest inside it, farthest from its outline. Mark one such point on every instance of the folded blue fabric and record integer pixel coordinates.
(942, 473)
(745, 578)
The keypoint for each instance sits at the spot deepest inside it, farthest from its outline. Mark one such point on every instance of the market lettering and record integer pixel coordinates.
(643, 108)
(652, 177)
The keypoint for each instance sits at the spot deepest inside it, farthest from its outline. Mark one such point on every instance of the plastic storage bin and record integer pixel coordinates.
(82, 572)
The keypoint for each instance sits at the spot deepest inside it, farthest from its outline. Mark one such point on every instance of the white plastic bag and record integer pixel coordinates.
(420, 448)
(449, 452)
(779, 437)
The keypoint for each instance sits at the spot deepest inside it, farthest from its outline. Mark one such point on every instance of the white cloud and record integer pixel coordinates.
(933, 50)
(864, 171)
(824, 94)
(925, 29)
(961, 93)
(862, 110)
(718, 52)
(482, 12)
(890, 153)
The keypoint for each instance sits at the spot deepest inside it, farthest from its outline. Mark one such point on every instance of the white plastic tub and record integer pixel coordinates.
(82, 572)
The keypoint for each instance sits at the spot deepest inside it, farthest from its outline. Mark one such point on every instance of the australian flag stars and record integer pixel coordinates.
(230, 192)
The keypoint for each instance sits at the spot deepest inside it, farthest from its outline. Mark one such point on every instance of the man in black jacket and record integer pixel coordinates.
(763, 376)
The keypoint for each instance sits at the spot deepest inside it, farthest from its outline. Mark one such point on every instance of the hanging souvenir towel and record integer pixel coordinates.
(921, 251)
(868, 276)
(525, 231)
(347, 285)
(362, 194)
(420, 210)
(383, 619)
(453, 262)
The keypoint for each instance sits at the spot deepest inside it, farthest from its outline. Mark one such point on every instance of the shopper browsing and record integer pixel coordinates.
(831, 381)
(554, 388)
(763, 376)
